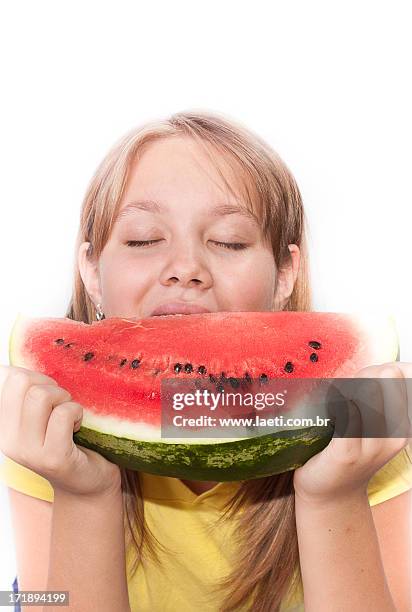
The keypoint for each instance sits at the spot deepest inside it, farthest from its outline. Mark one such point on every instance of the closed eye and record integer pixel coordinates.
(138, 243)
(236, 246)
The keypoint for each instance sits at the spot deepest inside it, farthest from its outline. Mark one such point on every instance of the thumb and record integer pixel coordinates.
(338, 410)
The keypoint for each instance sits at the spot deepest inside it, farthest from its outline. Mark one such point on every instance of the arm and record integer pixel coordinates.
(392, 520)
(87, 547)
(31, 521)
(341, 563)
(87, 554)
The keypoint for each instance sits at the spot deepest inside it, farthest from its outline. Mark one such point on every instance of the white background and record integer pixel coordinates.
(325, 83)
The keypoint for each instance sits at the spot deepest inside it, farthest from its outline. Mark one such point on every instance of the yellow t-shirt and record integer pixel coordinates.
(183, 522)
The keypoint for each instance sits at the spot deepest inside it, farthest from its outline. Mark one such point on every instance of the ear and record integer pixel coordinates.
(89, 271)
(286, 278)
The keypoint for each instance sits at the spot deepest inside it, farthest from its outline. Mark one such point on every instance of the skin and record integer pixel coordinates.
(186, 264)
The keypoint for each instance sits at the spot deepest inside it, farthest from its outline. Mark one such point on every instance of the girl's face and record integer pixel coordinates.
(181, 236)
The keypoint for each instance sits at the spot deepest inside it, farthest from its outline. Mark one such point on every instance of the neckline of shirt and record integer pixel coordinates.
(173, 489)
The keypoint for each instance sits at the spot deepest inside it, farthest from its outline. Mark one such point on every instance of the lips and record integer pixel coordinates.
(178, 308)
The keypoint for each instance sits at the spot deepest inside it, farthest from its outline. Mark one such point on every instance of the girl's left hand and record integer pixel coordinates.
(347, 464)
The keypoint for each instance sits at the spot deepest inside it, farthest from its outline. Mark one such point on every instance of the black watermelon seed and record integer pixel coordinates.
(219, 388)
(314, 344)
(289, 367)
(234, 382)
(201, 369)
(313, 357)
(59, 341)
(135, 363)
(223, 377)
(88, 356)
(68, 345)
(123, 361)
(247, 376)
(188, 368)
(263, 378)
(177, 367)
(212, 378)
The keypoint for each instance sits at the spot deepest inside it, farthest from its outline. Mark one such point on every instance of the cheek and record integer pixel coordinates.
(251, 286)
(122, 284)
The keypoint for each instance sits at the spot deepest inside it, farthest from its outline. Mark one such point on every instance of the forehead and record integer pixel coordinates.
(172, 167)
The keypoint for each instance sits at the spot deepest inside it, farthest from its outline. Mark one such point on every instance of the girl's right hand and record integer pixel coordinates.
(37, 421)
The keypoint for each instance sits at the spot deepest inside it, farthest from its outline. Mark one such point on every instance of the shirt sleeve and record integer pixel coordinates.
(26, 481)
(394, 478)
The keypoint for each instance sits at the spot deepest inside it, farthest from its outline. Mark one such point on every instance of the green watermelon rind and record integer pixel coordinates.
(244, 459)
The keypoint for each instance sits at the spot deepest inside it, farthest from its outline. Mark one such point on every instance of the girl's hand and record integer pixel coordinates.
(37, 421)
(348, 463)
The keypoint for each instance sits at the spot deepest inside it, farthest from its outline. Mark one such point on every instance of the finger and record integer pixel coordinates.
(354, 428)
(336, 399)
(347, 438)
(14, 388)
(368, 396)
(395, 392)
(343, 412)
(406, 369)
(38, 404)
(59, 433)
(37, 377)
(341, 390)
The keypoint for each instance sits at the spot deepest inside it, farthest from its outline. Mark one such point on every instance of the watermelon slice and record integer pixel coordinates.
(114, 369)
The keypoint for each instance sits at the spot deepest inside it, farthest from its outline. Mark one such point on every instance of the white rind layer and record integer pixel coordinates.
(380, 336)
(141, 432)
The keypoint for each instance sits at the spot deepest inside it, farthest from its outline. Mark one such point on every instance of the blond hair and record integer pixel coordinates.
(268, 559)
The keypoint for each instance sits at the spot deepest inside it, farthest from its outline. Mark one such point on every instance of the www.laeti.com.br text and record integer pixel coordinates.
(257, 421)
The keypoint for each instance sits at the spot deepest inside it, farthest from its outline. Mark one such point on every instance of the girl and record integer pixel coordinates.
(197, 210)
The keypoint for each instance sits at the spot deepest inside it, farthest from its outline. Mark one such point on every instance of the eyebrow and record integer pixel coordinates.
(152, 206)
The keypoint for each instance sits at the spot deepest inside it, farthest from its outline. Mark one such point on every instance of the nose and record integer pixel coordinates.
(186, 267)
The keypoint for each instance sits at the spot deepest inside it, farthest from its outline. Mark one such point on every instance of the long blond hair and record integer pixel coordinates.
(267, 555)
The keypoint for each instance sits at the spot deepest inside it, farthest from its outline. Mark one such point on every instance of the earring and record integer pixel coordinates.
(99, 312)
